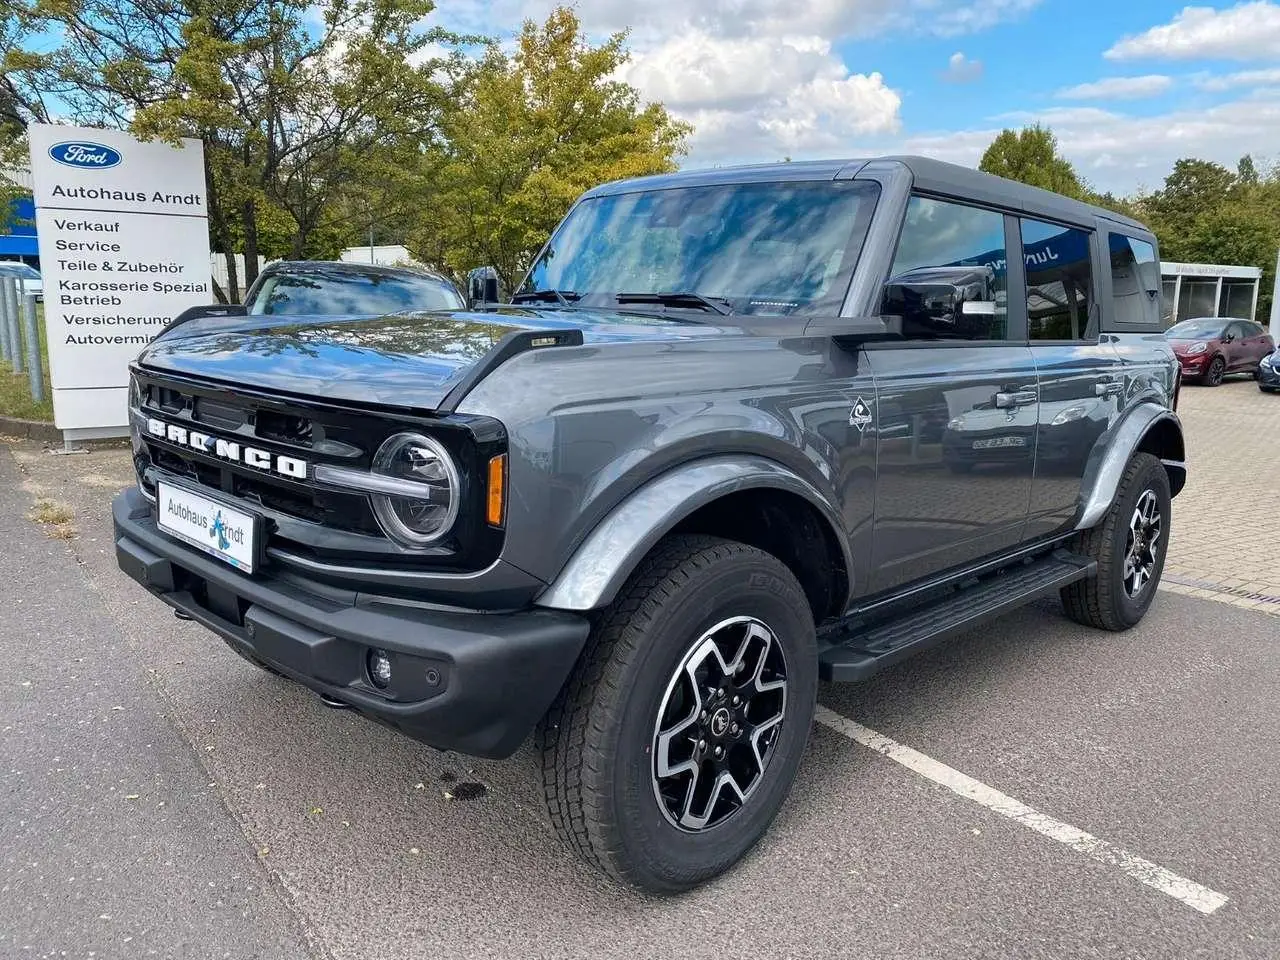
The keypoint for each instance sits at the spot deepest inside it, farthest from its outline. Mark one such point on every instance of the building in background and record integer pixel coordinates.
(385, 255)
(1209, 290)
(18, 224)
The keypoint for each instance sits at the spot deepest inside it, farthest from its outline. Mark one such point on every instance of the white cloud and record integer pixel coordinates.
(653, 22)
(1247, 31)
(950, 19)
(779, 95)
(1121, 152)
(1245, 78)
(1118, 88)
(697, 71)
(961, 70)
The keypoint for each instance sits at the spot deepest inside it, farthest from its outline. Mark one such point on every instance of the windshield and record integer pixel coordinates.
(18, 270)
(1195, 329)
(758, 248)
(342, 292)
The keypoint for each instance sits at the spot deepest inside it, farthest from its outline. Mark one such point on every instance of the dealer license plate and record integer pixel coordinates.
(220, 531)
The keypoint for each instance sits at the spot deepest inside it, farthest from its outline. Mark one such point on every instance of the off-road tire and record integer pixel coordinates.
(1102, 601)
(596, 740)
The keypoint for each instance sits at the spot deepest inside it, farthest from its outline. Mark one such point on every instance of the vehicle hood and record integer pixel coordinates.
(405, 359)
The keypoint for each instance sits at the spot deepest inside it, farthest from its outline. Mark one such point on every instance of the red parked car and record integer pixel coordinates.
(1209, 348)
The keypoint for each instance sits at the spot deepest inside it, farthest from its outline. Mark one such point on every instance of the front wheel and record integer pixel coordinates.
(677, 739)
(1129, 546)
(1217, 370)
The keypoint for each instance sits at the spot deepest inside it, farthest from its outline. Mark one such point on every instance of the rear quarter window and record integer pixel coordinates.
(1136, 289)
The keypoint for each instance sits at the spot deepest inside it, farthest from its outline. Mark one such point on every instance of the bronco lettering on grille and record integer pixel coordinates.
(291, 467)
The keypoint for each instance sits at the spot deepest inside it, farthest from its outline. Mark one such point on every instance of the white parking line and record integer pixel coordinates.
(1180, 888)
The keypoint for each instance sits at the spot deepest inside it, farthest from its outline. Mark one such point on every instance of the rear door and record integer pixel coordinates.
(1236, 345)
(1259, 341)
(1078, 371)
(955, 417)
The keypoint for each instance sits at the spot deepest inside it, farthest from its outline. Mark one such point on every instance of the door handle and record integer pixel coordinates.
(1017, 398)
(1107, 388)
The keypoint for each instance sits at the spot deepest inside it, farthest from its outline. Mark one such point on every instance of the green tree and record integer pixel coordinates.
(526, 134)
(1193, 188)
(295, 102)
(1030, 156)
(1247, 172)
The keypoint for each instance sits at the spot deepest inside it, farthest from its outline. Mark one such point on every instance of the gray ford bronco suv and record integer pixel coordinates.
(738, 432)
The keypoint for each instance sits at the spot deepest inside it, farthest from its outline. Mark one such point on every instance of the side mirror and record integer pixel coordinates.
(482, 286)
(1228, 337)
(955, 303)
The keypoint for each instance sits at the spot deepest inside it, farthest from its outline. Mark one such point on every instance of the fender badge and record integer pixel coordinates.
(860, 415)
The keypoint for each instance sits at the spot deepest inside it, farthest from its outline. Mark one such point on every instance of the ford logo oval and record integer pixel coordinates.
(84, 155)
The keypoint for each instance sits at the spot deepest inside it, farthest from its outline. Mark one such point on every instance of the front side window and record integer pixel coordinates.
(1135, 281)
(1059, 280)
(755, 248)
(945, 244)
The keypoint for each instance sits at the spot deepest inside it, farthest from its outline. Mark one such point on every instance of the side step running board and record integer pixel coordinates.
(870, 651)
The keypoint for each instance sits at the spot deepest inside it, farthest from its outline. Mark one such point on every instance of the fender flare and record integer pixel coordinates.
(1106, 464)
(611, 552)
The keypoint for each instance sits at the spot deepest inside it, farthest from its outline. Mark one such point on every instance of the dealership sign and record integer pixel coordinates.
(123, 232)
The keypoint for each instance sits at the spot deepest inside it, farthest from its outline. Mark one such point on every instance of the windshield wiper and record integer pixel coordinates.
(546, 296)
(715, 305)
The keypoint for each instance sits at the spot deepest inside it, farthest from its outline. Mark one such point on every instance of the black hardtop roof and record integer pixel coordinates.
(929, 176)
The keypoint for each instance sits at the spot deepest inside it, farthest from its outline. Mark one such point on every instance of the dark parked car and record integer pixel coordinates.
(337, 288)
(1209, 348)
(699, 463)
(1269, 373)
(289, 291)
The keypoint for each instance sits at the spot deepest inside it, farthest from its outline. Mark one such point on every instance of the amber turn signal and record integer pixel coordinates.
(497, 499)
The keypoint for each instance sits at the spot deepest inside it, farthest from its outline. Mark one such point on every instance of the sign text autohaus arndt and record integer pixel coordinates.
(124, 248)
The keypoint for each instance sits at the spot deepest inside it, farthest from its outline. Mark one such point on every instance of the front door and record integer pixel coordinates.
(957, 432)
(955, 417)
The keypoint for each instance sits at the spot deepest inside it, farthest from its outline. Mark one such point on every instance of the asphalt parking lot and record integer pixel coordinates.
(1034, 790)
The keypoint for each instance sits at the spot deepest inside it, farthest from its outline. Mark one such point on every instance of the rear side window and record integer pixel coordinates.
(1059, 280)
(1135, 282)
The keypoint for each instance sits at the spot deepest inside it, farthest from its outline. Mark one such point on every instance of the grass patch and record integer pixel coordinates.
(15, 388)
(55, 518)
(51, 512)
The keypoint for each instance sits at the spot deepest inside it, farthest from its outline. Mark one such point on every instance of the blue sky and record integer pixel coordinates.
(1128, 87)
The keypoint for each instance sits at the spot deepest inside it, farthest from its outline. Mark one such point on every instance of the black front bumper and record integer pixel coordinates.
(1269, 377)
(472, 682)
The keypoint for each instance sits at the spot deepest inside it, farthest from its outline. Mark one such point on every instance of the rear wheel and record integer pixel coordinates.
(677, 739)
(1129, 547)
(1217, 370)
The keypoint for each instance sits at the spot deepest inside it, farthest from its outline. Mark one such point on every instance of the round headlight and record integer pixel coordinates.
(424, 506)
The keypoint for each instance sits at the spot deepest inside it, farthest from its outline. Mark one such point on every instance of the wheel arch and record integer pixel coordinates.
(749, 499)
(1148, 428)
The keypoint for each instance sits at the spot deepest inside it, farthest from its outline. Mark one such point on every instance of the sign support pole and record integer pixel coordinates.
(5, 354)
(34, 368)
(17, 293)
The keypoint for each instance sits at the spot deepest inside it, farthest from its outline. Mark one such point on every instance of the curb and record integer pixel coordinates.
(30, 429)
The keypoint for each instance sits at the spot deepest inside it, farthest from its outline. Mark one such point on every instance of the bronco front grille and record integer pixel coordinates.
(279, 427)
(322, 523)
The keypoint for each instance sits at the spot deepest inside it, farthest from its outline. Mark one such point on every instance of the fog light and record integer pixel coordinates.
(379, 668)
